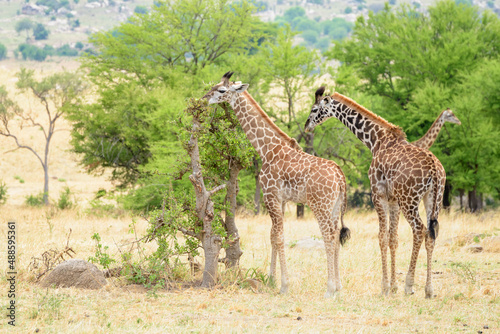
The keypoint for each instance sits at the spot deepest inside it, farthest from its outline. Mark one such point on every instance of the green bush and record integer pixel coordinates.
(66, 51)
(34, 200)
(32, 52)
(3, 193)
(3, 51)
(140, 10)
(40, 32)
(64, 201)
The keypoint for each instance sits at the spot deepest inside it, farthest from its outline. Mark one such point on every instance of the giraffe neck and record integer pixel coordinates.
(372, 130)
(430, 137)
(266, 137)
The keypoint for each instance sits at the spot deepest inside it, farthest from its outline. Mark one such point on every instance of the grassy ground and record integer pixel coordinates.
(466, 284)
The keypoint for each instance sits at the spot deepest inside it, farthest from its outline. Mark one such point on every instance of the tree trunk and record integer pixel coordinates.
(233, 250)
(461, 192)
(46, 185)
(473, 201)
(211, 242)
(447, 195)
(256, 198)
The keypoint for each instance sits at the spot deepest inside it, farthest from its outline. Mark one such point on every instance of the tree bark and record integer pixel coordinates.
(211, 242)
(233, 250)
(474, 201)
(461, 192)
(256, 198)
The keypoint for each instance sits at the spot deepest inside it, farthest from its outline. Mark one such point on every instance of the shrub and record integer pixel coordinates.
(3, 193)
(32, 52)
(40, 32)
(140, 10)
(3, 51)
(34, 200)
(64, 201)
(66, 51)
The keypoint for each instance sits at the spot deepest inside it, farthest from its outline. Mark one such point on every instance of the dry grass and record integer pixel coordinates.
(466, 301)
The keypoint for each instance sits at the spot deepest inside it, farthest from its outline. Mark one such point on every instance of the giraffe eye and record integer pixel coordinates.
(222, 90)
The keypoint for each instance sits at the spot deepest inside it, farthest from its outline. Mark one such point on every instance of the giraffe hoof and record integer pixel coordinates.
(394, 289)
(409, 290)
(332, 295)
(429, 293)
(283, 290)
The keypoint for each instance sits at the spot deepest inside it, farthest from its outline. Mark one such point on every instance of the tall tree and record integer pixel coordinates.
(24, 25)
(201, 34)
(55, 93)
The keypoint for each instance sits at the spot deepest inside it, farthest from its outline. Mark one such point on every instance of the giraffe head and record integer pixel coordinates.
(320, 111)
(225, 91)
(449, 116)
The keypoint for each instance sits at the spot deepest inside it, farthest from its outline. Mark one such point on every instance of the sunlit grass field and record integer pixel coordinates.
(466, 284)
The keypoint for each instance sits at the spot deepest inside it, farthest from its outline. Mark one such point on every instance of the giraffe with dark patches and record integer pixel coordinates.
(430, 136)
(401, 175)
(289, 174)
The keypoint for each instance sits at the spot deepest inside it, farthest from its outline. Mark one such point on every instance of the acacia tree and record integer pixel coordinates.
(291, 68)
(24, 24)
(55, 93)
(200, 35)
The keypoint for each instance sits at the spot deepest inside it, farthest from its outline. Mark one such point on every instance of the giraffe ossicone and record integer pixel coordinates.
(401, 176)
(289, 174)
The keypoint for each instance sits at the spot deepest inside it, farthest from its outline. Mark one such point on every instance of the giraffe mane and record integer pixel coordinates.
(394, 129)
(290, 141)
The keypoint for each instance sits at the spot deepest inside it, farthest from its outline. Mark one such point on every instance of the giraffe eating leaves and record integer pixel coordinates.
(289, 174)
(401, 175)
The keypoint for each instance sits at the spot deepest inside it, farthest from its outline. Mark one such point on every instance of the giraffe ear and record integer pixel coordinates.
(319, 93)
(238, 88)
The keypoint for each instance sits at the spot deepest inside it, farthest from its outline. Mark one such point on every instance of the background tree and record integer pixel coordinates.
(55, 93)
(3, 51)
(24, 25)
(415, 63)
(40, 32)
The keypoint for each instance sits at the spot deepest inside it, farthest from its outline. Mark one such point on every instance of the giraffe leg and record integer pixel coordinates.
(419, 232)
(429, 246)
(393, 241)
(381, 208)
(274, 206)
(328, 224)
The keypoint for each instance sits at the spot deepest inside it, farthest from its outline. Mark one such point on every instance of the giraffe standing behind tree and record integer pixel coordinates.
(401, 175)
(430, 136)
(289, 174)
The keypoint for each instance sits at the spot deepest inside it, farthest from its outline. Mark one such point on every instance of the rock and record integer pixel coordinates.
(75, 273)
(475, 248)
(491, 244)
(308, 243)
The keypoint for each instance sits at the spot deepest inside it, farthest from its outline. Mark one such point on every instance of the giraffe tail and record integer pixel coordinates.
(345, 233)
(433, 226)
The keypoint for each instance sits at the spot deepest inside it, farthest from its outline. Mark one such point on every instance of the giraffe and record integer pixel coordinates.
(400, 174)
(289, 174)
(430, 136)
